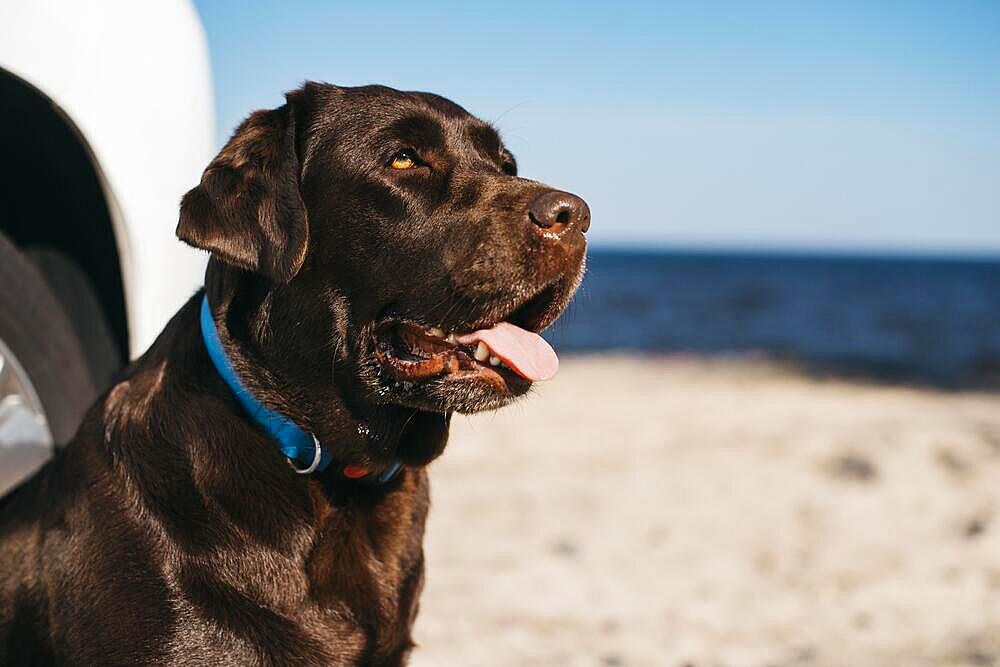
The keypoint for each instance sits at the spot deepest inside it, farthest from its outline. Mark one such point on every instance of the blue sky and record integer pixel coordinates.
(775, 125)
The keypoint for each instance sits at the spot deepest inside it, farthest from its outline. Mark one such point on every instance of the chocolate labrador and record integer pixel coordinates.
(253, 492)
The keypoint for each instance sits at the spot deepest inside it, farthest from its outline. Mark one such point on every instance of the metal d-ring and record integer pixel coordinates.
(317, 455)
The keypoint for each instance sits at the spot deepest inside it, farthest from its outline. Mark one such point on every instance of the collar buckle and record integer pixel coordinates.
(312, 467)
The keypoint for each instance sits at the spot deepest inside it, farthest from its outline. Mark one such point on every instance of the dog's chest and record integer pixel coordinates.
(349, 598)
(367, 567)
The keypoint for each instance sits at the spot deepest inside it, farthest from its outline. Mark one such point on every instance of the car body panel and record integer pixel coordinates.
(134, 80)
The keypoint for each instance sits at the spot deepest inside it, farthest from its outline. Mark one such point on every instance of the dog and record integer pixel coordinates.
(253, 491)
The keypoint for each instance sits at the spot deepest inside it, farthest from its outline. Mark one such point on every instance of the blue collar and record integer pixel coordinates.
(296, 444)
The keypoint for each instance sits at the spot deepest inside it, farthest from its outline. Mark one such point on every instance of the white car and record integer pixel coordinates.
(106, 119)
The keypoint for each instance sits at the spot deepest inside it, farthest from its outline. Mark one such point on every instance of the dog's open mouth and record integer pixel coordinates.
(498, 350)
(504, 352)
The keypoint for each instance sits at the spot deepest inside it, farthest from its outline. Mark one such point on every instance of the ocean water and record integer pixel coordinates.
(912, 319)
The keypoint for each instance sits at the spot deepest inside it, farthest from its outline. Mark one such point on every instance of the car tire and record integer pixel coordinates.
(79, 301)
(35, 328)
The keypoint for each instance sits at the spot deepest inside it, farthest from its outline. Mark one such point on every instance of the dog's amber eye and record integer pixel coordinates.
(404, 159)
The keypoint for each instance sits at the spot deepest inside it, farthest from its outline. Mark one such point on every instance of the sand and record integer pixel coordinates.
(684, 512)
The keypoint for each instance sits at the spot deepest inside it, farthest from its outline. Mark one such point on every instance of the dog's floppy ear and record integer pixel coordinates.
(247, 210)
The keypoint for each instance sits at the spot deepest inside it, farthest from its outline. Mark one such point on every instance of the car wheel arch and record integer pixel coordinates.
(50, 183)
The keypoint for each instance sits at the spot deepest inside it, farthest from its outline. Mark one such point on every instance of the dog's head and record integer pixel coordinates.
(378, 256)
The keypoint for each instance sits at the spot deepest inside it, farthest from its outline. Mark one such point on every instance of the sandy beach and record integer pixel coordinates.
(682, 512)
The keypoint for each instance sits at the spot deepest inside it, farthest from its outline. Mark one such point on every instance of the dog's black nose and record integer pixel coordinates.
(557, 212)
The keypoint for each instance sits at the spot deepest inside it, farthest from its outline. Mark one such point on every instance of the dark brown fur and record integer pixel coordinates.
(171, 530)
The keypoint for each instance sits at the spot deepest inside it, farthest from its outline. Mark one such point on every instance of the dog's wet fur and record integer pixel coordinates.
(172, 530)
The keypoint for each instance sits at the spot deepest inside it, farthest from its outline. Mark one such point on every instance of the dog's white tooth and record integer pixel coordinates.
(434, 331)
(494, 361)
(452, 339)
(482, 352)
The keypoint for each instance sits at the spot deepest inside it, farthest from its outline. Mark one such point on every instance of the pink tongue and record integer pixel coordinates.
(526, 352)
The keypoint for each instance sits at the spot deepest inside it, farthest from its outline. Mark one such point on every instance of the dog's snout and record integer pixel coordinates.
(557, 212)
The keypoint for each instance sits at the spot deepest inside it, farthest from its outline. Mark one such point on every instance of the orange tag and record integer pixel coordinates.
(355, 472)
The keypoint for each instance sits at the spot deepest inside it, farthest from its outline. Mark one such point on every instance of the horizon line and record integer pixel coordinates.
(799, 250)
